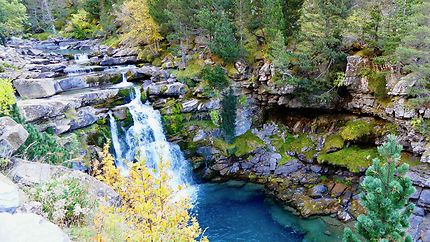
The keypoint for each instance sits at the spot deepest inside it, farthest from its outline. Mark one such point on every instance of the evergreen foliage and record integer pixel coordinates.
(215, 76)
(228, 115)
(386, 191)
(12, 18)
(414, 52)
(40, 146)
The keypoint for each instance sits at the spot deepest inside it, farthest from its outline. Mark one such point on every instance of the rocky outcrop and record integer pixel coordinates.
(28, 174)
(12, 136)
(22, 227)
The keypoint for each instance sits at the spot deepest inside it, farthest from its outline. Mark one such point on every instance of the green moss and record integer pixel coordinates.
(222, 146)
(298, 143)
(206, 125)
(246, 143)
(333, 142)
(124, 93)
(285, 159)
(352, 158)
(192, 71)
(112, 41)
(355, 130)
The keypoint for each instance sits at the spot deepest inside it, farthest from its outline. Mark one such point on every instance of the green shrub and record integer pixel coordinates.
(355, 130)
(4, 163)
(215, 76)
(7, 97)
(228, 115)
(65, 201)
(41, 146)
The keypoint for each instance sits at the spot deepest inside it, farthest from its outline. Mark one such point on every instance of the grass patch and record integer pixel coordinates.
(298, 143)
(352, 158)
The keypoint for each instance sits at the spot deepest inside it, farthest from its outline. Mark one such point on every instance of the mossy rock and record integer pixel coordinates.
(298, 143)
(333, 143)
(353, 158)
(356, 130)
(246, 143)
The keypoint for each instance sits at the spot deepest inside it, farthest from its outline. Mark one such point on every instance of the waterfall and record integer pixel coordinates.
(124, 82)
(81, 58)
(146, 141)
(119, 159)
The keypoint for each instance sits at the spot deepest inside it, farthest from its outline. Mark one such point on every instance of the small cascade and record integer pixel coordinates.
(145, 141)
(81, 59)
(119, 159)
(124, 82)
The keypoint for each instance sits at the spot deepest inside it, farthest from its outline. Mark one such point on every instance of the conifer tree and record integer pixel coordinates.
(228, 115)
(414, 52)
(386, 191)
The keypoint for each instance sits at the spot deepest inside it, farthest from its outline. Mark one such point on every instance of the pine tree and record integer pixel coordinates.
(386, 191)
(228, 115)
(322, 24)
(414, 52)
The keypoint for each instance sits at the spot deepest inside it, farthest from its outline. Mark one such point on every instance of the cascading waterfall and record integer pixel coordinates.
(81, 58)
(145, 140)
(119, 159)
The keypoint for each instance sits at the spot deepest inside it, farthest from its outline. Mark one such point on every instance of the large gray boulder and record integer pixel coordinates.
(29, 227)
(36, 88)
(29, 174)
(10, 196)
(12, 136)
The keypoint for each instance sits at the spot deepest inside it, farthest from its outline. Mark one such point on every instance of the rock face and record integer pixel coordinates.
(12, 136)
(25, 227)
(26, 174)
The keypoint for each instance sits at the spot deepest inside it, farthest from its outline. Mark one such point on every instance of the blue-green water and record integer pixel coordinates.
(236, 211)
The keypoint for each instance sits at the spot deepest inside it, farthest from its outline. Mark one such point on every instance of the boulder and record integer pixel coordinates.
(10, 198)
(26, 227)
(424, 200)
(36, 88)
(12, 136)
(27, 174)
(115, 61)
(401, 87)
(171, 90)
(290, 167)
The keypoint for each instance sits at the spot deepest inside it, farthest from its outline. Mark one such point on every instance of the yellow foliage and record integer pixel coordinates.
(7, 96)
(138, 26)
(151, 209)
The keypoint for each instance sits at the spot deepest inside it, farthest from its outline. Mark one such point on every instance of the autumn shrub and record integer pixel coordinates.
(7, 97)
(65, 201)
(151, 209)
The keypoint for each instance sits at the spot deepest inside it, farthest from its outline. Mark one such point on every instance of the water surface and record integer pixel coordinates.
(236, 211)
